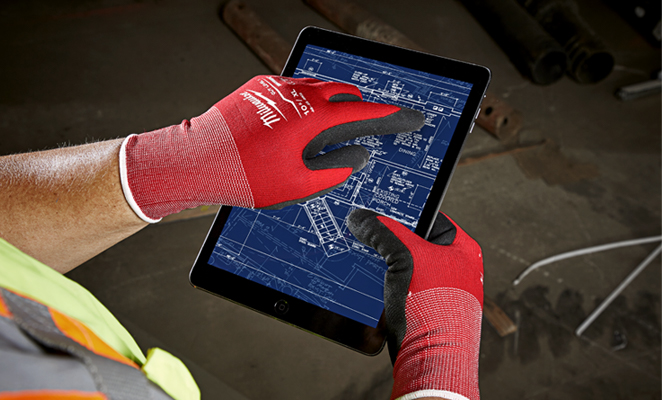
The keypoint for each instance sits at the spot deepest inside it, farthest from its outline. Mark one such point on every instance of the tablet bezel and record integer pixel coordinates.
(301, 314)
(304, 315)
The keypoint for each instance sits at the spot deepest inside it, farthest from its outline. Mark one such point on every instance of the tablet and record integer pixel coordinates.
(301, 264)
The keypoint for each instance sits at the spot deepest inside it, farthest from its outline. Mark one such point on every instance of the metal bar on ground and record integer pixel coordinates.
(606, 302)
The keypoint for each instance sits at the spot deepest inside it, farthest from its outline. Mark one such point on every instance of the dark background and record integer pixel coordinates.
(78, 71)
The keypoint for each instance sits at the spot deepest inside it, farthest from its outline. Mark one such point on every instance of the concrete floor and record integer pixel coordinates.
(77, 71)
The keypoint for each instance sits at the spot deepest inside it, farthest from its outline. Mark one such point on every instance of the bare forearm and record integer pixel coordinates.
(65, 206)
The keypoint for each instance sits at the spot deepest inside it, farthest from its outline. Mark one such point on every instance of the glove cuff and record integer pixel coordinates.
(440, 349)
(128, 195)
(183, 166)
(444, 394)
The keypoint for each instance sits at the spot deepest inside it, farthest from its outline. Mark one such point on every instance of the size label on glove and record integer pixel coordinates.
(302, 103)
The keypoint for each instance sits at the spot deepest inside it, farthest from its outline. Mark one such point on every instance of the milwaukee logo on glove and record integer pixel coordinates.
(266, 114)
(267, 108)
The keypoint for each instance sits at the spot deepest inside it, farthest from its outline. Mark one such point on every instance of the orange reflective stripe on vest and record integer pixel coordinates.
(52, 395)
(77, 331)
(4, 311)
(80, 333)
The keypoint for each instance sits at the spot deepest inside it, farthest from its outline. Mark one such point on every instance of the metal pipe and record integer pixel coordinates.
(356, 20)
(531, 49)
(642, 89)
(606, 302)
(497, 116)
(589, 59)
(269, 46)
(584, 251)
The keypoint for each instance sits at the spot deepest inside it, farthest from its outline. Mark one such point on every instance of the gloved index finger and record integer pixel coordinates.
(332, 89)
(336, 98)
(401, 120)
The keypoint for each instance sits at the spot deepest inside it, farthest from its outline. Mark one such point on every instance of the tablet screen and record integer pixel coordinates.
(306, 250)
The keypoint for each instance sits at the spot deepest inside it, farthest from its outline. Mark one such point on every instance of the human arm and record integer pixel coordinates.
(433, 297)
(66, 205)
(255, 148)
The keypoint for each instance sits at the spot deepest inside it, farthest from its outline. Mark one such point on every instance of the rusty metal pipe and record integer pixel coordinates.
(267, 44)
(502, 121)
(530, 48)
(499, 118)
(589, 59)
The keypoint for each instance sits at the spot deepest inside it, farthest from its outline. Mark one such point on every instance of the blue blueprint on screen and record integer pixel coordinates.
(306, 250)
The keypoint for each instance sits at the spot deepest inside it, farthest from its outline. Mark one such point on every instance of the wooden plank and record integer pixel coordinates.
(497, 318)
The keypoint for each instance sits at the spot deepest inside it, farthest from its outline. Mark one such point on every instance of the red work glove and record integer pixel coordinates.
(433, 301)
(256, 148)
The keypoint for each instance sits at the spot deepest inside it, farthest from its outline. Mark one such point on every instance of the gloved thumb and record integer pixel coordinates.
(370, 228)
(377, 232)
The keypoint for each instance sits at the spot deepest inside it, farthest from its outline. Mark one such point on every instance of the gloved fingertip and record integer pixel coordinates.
(388, 119)
(360, 159)
(344, 97)
(358, 216)
(413, 120)
(361, 223)
(333, 89)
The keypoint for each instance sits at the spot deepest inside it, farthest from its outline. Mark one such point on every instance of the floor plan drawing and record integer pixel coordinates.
(306, 250)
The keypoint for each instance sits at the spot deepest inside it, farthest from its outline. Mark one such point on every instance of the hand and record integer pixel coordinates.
(257, 148)
(433, 300)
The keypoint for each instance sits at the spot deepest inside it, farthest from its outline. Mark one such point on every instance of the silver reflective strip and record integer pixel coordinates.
(116, 380)
(26, 365)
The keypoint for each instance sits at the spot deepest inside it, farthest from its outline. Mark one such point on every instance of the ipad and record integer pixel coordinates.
(301, 264)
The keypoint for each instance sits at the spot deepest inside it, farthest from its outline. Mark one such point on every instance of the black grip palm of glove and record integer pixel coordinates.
(365, 225)
(433, 298)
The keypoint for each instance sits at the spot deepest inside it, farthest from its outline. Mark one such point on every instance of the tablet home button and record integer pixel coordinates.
(281, 307)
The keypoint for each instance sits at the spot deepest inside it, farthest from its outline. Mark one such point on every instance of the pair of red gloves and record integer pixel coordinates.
(258, 148)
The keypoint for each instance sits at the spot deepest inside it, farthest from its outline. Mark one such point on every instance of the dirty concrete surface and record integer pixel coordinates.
(74, 72)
